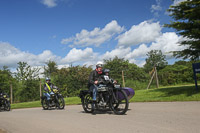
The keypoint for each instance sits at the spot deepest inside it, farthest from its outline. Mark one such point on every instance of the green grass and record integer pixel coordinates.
(68, 101)
(163, 94)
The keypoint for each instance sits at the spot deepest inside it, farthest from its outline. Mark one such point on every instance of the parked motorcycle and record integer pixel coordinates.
(56, 100)
(4, 102)
(109, 96)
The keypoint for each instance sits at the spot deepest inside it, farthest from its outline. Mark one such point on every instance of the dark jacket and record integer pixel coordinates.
(94, 76)
(46, 89)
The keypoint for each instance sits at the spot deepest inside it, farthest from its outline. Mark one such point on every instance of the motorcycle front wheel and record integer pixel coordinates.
(119, 102)
(87, 103)
(61, 102)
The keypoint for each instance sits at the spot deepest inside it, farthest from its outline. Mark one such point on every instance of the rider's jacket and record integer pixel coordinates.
(94, 75)
(48, 87)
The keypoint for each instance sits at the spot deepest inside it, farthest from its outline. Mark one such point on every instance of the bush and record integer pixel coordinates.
(138, 85)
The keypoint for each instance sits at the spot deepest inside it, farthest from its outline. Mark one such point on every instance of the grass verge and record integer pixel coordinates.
(167, 94)
(68, 101)
(163, 94)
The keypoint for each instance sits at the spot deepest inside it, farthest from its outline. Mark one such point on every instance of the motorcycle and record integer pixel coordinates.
(56, 100)
(110, 96)
(4, 102)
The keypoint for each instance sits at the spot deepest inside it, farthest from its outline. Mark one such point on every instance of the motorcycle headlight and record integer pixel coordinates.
(55, 90)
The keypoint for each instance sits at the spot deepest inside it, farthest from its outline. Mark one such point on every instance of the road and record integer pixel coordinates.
(149, 117)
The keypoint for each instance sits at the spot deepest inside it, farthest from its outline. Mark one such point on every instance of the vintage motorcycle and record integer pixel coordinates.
(56, 100)
(4, 102)
(109, 96)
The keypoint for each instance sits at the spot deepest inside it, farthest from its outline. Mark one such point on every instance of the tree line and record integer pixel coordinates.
(26, 80)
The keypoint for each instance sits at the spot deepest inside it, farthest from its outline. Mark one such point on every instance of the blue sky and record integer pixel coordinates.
(83, 31)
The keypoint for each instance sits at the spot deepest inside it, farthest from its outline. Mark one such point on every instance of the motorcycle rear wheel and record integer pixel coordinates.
(119, 106)
(7, 106)
(87, 103)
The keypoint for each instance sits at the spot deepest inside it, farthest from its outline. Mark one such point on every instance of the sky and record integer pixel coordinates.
(83, 32)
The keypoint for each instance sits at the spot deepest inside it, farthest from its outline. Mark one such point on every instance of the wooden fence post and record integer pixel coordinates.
(151, 80)
(11, 94)
(123, 78)
(40, 89)
(157, 83)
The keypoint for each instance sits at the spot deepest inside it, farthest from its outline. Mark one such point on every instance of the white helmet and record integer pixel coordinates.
(99, 64)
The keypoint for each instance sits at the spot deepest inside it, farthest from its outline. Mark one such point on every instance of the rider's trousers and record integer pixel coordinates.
(93, 88)
(48, 95)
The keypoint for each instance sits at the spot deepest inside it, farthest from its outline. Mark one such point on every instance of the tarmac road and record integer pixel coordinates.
(149, 117)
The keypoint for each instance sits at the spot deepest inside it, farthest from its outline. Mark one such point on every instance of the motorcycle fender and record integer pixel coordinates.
(83, 93)
(43, 97)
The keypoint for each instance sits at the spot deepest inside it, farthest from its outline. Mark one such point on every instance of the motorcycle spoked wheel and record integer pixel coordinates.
(119, 106)
(45, 104)
(7, 106)
(87, 103)
(61, 102)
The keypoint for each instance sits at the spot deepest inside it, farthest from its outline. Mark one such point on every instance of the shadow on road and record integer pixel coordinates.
(102, 111)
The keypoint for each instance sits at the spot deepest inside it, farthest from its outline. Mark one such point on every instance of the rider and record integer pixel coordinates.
(1, 93)
(48, 88)
(107, 79)
(93, 79)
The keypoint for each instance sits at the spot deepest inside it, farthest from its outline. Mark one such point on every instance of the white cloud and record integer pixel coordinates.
(79, 55)
(119, 52)
(49, 3)
(95, 37)
(157, 7)
(145, 32)
(176, 2)
(138, 52)
(63, 66)
(10, 56)
(167, 42)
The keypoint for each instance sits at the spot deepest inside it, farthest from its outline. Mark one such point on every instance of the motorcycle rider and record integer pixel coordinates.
(1, 93)
(93, 79)
(106, 77)
(48, 89)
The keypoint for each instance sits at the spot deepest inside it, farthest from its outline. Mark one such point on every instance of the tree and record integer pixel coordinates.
(179, 72)
(187, 23)
(28, 86)
(131, 71)
(155, 58)
(25, 72)
(116, 66)
(72, 79)
(5, 79)
(50, 69)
